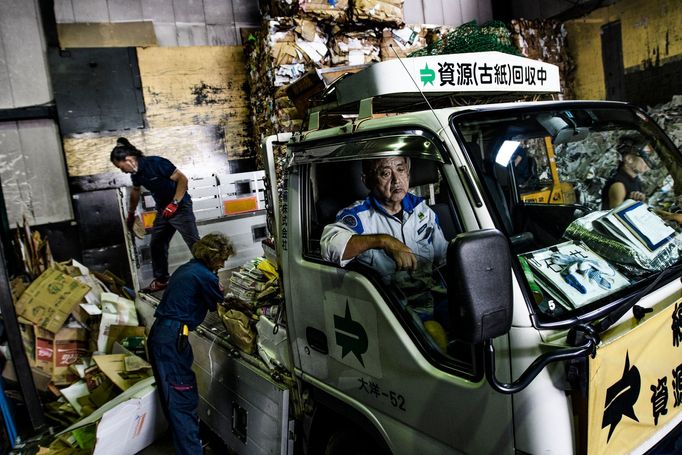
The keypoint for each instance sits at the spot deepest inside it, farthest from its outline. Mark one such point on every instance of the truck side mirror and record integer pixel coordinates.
(480, 303)
(480, 285)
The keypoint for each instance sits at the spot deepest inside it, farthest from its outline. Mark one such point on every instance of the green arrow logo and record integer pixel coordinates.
(350, 335)
(427, 74)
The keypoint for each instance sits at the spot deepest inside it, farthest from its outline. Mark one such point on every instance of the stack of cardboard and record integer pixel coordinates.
(325, 11)
(388, 12)
(282, 51)
(401, 42)
(355, 47)
(545, 40)
(83, 343)
(315, 35)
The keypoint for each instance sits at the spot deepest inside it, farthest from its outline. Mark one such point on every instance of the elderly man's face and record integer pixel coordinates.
(390, 180)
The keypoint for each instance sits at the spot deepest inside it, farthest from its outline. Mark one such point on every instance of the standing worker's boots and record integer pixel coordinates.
(155, 286)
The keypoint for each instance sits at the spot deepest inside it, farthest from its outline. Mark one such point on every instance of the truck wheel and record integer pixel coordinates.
(350, 442)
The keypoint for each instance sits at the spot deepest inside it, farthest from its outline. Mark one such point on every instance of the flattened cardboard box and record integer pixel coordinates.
(56, 352)
(49, 300)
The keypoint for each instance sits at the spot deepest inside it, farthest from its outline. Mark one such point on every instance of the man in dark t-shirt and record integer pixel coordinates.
(625, 182)
(168, 186)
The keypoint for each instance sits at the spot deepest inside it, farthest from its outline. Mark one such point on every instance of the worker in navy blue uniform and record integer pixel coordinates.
(173, 204)
(192, 291)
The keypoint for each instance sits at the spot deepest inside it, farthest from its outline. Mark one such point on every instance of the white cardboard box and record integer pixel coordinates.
(128, 423)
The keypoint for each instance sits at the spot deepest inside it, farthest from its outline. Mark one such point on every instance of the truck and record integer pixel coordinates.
(565, 319)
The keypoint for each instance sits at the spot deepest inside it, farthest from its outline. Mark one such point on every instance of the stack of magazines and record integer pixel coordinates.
(573, 275)
(633, 224)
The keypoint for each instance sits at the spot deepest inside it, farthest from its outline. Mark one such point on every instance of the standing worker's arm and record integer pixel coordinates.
(180, 184)
(132, 206)
(180, 190)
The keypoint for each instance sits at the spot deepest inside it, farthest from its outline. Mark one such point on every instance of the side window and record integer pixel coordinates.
(408, 201)
(331, 187)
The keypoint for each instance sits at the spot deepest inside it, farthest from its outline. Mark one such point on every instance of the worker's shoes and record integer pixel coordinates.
(155, 286)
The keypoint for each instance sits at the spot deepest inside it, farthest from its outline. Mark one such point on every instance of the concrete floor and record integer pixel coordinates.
(164, 445)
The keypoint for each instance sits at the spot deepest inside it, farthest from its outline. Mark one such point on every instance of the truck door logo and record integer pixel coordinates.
(621, 398)
(350, 335)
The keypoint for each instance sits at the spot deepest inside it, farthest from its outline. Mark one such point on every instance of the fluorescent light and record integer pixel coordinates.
(505, 152)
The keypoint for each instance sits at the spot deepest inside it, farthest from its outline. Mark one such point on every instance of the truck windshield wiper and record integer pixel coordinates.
(617, 313)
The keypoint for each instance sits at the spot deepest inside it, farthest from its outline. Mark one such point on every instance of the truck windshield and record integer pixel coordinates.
(588, 194)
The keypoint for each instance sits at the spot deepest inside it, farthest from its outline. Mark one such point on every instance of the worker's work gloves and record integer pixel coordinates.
(170, 210)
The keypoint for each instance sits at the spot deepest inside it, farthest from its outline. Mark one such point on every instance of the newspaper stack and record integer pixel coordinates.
(254, 285)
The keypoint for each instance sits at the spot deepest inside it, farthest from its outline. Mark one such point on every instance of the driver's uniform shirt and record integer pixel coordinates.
(418, 229)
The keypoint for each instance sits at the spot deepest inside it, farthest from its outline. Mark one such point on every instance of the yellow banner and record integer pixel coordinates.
(636, 384)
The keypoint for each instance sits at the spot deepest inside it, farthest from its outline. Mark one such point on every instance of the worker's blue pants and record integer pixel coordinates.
(163, 230)
(176, 384)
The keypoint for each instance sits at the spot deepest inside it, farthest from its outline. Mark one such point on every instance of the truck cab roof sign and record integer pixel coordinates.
(465, 74)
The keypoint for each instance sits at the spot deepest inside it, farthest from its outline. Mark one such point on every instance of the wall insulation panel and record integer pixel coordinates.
(96, 89)
(24, 80)
(32, 173)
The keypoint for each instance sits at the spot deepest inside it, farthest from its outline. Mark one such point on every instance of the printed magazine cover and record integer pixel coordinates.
(573, 274)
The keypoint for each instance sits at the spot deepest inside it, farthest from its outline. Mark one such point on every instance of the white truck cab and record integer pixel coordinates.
(562, 330)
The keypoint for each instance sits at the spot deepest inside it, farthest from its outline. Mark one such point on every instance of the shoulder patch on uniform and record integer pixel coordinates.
(350, 220)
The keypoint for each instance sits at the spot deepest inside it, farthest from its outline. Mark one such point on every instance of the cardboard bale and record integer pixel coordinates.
(50, 299)
(378, 11)
(291, 46)
(402, 42)
(354, 48)
(325, 10)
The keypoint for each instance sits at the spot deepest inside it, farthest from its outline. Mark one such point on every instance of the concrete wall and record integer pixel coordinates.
(176, 22)
(651, 36)
(447, 12)
(30, 151)
(32, 168)
(218, 22)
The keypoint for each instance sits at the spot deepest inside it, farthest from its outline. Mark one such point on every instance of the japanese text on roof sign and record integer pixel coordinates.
(482, 74)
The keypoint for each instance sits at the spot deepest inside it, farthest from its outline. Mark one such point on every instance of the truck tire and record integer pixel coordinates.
(346, 441)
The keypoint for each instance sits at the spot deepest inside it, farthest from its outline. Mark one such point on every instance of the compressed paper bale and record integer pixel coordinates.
(325, 11)
(354, 48)
(400, 42)
(378, 11)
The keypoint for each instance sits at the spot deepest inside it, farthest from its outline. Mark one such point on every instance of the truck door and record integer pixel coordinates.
(361, 337)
